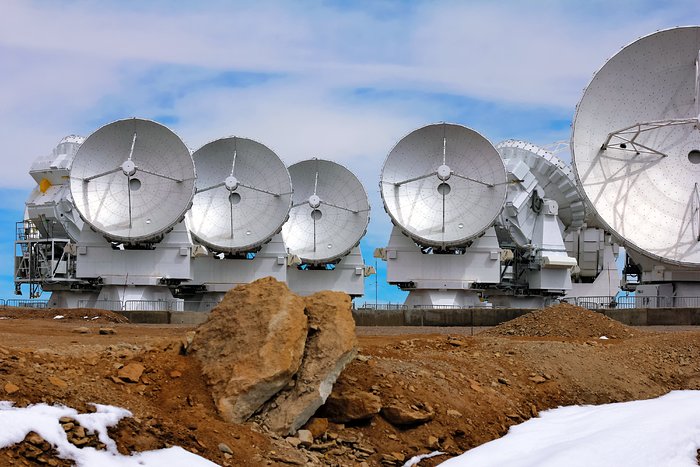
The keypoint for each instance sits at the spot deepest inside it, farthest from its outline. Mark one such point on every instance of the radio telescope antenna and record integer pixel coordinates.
(636, 146)
(443, 185)
(243, 195)
(554, 176)
(132, 180)
(329, 214)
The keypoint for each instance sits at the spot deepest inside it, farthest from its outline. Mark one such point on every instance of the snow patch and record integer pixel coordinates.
(604, 337)
(416, 459)
(651, 433)
(58, 317)
(43, 419)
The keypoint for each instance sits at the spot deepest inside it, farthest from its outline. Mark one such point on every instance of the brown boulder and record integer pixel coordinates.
(131, 372)
(351, 405)
(400, 415)
(330, 346)
(251, 346)
(317, 426)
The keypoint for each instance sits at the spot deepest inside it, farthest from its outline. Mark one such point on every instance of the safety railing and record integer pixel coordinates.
(149, 305)
(20, 303)
(633, 301)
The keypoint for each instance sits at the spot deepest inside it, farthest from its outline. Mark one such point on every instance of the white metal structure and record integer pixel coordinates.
(243, 197)
(50, 224)
(329, 216)
(541, 202)
(443, 186)
(132, 182)
(636, 154)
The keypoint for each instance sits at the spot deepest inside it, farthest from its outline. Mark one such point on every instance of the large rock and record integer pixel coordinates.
(331, 345)
(251, 346)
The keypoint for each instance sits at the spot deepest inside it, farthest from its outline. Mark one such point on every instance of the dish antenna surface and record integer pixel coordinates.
(553, 175)
(636, 145)
(132, 180)
(444, 185)
(329, 214)
(244, 194)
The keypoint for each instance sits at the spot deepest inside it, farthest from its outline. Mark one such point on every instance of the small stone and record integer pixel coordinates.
(317, 426)
(323, 446)
(293, 440)
(454, 413)
(81, 330)
(475, 386)
(64, 420)
(107, 331)
(34, 438)
(538, 379)
(399, 456)
(504, 381)
(433, 442)
(175, 374)
(79, 441)
(58, 382)
(223, 447)
(11, 388)
(398, 415)
(131, 372)
(306, 438)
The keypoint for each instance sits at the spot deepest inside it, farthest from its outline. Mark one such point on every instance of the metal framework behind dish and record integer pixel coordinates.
(553, 175)
(636, 146)
(243, 195)
(132, 180)
(443, 185)
(329, 214)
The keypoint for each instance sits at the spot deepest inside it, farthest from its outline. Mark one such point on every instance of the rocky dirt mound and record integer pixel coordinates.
(564, 320)
(63, 314)
(403, 395)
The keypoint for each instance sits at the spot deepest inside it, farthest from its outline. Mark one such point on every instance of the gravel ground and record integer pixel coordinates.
(469, 331)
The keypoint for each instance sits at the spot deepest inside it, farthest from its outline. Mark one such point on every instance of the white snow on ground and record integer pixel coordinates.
(58, 317)
(415, 460)
(662, 432)
(16, 423)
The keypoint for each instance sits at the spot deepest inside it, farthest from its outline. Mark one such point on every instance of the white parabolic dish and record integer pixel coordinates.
(636, 145)
(243, 195)
(329, 214)
(132, 180)
(443, 185)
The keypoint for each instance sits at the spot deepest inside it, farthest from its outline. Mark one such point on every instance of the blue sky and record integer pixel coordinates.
(335, 79)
